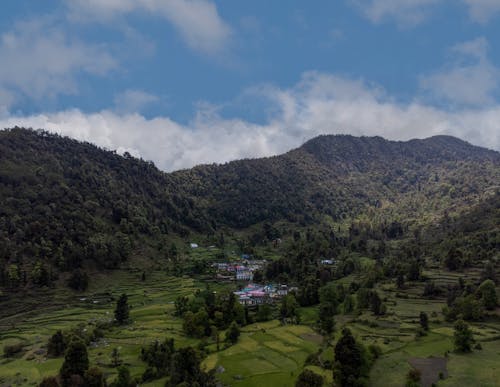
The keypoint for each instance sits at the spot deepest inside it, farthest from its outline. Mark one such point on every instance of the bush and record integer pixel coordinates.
(49, 381)
(375, 351)
(12, 350)
(413, 378)
(309, 379)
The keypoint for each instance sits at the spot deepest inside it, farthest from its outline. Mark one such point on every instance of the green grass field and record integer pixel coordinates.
(151, 314)
(267, 354)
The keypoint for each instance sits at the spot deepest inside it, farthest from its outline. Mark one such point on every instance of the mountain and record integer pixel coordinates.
(66, 203)
(343, 176)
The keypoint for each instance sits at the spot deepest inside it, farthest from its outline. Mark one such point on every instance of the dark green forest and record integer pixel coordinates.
(67, 205)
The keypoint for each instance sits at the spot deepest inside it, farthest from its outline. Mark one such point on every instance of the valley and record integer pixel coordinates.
(396, 253)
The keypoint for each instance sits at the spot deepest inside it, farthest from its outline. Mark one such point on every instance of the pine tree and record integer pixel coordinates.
(94, 377)
(76, 361)
(424, 321)
(56, 345)
(122, 309)
(233, 333)
(349, 359)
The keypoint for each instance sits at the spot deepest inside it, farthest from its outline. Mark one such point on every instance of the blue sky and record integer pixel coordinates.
(183, 82)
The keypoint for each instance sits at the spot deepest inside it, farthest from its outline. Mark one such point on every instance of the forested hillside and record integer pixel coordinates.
(344, 176)
(65, 203)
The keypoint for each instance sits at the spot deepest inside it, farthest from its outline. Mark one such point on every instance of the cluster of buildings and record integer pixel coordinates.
(254, 294)
(238, 271)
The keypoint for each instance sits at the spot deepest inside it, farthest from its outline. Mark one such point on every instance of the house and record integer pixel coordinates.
(327, 261)
(254, 294)
(244, 275)
(194, 245)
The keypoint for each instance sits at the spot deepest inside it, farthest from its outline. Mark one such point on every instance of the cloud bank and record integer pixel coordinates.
(319, 103)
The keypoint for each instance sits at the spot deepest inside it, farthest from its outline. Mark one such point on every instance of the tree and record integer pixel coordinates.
(49, 381)
(76, 361)
(264, 312)
(363, 298)
(326, 317)
(308, 378)
(413, 378)
(289, 308)
(489, 272)
(214, 332)
(488, 294)
(94, 377)
(348, 358)
(181, 305)
(123, 379)
(400, 280)
(348, 304)
(56, 345)
(424, 321)
(414, 272)
(463, 337)
(122, 309)
(329, 293)
(376, 304)
(185, 369)
(79, 280)
(258, 276)
(453, 260)
(468, 307)
(115, 357)
(233, 333)
(308, 291)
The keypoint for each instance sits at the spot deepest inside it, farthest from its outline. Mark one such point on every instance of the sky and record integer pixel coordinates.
(186, 82)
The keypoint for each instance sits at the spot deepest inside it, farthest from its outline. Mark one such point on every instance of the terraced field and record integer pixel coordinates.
(151, 313)
(268, 354)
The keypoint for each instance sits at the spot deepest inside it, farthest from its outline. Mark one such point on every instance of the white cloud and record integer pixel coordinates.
(483, 10)
(40, 61)
(319, 104)
(197, 21)
(470, 78)
(133, 101)
(407, 13)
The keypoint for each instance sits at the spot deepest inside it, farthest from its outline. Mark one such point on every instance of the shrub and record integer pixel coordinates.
(13, 349)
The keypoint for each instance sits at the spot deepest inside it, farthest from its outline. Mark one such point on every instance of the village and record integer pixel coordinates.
(244, 269)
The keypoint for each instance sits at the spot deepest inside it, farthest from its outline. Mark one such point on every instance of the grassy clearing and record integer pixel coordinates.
(268, 354)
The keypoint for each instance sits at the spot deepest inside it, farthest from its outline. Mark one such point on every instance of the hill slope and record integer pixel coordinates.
(342, 176)
(65, 203)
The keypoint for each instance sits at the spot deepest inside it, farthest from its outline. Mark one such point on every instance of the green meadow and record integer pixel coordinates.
(267, 354)
(151, 304)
